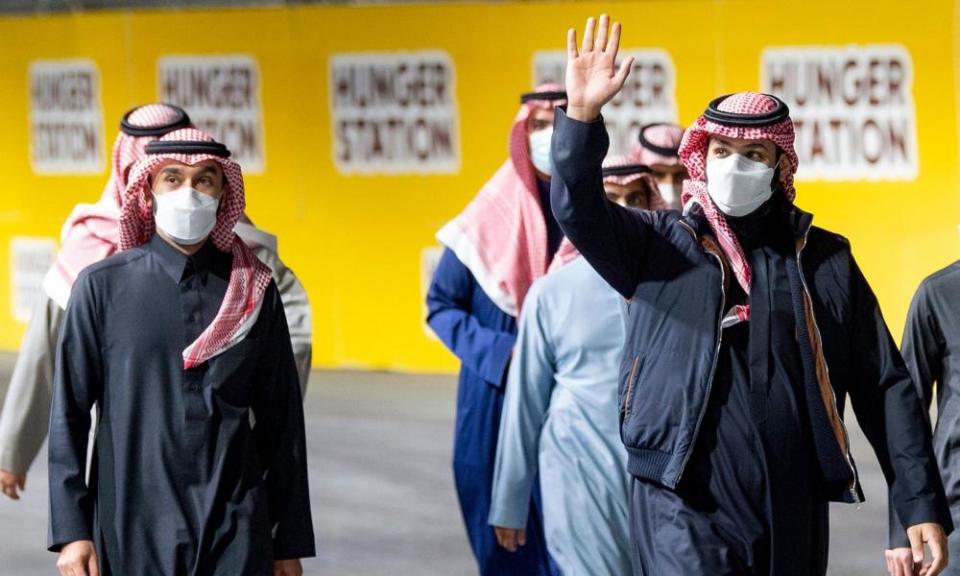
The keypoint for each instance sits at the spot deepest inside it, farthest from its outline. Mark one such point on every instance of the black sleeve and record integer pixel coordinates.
(279, 432)
(890, 414)
(612, 238)
(923, 346)
(76, 387)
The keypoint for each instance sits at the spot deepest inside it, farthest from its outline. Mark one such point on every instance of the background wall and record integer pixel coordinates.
(356, 240)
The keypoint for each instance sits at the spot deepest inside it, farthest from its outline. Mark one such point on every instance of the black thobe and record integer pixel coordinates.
(199, 471)
(749, 502)
(931, 349)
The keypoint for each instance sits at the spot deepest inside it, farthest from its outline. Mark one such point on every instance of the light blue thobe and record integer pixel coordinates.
(560, 417)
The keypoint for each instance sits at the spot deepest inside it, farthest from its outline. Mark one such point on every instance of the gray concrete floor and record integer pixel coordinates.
(381, 488)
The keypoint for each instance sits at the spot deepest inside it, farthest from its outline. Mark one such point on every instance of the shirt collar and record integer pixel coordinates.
(207, 258)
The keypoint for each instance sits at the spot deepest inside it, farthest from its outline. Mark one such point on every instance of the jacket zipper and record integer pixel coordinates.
(833, 396)
(713, 369)
(630, 385)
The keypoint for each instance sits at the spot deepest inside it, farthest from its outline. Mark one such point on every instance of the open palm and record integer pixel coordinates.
(593, 78)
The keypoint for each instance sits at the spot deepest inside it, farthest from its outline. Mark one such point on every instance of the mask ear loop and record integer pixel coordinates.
(775, 183)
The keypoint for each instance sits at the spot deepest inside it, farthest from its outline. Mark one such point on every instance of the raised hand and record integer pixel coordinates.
(593, 78)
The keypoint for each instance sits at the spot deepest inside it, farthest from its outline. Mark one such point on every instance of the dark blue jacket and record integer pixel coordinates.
(670, 269)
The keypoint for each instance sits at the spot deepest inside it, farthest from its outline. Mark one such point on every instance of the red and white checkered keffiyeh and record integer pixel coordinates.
(501, 236)
(693, 154)
(664, 136)
(249, 277)
(91, 232)
(654, 200)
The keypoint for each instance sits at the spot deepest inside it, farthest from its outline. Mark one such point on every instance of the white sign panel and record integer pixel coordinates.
(648, 96)
(852, 107)
(66, 117)
(222, 96)
(30, 258)
(394, 113)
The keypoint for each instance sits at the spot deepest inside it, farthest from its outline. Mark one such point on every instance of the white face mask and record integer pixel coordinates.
(186, 215)
(668, 191)
(540, 150)
(738, 185)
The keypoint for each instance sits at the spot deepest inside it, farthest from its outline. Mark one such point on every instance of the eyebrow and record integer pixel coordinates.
(209, 170)
(171, 170)
(750, 145)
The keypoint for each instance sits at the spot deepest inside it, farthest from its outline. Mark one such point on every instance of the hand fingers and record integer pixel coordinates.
(613, 47)
(510, 541)
(10, 492)
(939, 556)
(900, 562)
(621, 76)
(601, 44)
(572, 44)
(506, 539)
(887, 557)
(92, 568)
(916, 545)
(587, 45)
(71, 568)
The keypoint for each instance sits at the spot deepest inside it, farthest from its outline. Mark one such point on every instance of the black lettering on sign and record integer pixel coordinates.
(66, 120)
(852, 108)
(222, 96)
(394, 112)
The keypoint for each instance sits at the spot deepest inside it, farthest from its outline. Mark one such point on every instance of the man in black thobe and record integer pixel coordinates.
(181, 344)
(931, 349)
(747, 329)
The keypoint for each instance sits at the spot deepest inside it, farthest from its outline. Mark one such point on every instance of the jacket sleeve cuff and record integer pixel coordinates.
(68, 531)
(577, 144)
(514, 517)
(897, 537)
(924, 511)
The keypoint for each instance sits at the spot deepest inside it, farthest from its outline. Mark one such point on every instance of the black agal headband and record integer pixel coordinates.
(713, 113)
(628, 170)
(187, 147)
(661, 150)
(182, 121)
(543, 96)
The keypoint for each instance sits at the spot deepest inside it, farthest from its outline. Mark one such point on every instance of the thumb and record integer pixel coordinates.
(916, 545)
(92, 568)
(621, 75)
(522, 537)
(23, 482)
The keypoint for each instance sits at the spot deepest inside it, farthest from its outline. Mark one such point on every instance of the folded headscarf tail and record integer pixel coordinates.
(501, 236)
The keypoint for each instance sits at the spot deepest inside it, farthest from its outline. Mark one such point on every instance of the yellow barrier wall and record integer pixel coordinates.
(356, 241)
